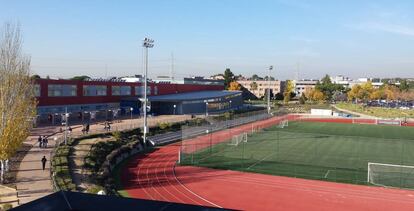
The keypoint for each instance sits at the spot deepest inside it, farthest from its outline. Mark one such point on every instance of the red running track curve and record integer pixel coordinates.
(155, 176)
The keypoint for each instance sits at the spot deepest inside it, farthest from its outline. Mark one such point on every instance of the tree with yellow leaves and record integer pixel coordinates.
(314, 94)
(17, 101)
(234, 86)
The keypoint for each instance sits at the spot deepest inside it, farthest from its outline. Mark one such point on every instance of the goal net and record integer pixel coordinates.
(389, 122)
(283, 123)
(364, 121)
(391, 175)
(237, 139)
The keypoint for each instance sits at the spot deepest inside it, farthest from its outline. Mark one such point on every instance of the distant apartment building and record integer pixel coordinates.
(302, 85)
(259, 87)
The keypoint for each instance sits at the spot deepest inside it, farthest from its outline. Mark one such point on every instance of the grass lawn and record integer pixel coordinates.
(322, 151)
(377, 111)
(117, 176)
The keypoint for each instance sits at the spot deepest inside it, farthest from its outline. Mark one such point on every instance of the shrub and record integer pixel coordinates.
(7, 206)
(117, 135)
(94, 189)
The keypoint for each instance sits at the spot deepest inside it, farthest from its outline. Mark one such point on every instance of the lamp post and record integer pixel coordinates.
(175, 106)
(66, 125)
(131, 110)
(230, 104)
(147, 43)
(206, 109)
(268, 90)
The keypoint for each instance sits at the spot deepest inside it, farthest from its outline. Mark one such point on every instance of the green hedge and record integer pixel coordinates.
(60, 167)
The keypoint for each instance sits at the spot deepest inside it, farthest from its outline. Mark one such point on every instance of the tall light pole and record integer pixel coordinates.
(175, 106)
(66, 125)
(206, 109)
(131, 110)
(268, 90)
(147, 43)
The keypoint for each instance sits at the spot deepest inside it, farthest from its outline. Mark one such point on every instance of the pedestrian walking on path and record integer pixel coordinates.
(44, 160)
(40, 140)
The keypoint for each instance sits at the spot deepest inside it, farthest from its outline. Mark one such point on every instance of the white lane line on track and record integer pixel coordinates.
(152, 161)
(167, 165)
(158, 167)
(309, 186)
(175, 176)
(321, 190)
(139, 180)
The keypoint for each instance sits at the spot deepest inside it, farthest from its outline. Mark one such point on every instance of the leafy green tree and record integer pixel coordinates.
(255, 77)
(328, 88)
(81, 78)
(35, 77)
(404, 86)
(253, 85)
(228, 77)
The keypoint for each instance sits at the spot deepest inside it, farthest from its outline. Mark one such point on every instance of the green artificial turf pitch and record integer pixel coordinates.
(324, 151)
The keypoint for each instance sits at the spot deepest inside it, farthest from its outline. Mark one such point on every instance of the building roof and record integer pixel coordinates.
(192, 96)
(64, 200)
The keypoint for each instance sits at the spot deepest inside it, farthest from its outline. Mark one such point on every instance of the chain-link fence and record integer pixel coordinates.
(288, 146)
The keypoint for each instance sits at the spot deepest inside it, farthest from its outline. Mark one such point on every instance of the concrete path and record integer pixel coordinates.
(32, 182)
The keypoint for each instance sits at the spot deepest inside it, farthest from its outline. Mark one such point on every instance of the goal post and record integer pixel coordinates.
(390, 175)
(237, 139)
(283, 124)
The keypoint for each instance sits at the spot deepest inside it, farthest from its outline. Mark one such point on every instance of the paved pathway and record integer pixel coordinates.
(32, 182)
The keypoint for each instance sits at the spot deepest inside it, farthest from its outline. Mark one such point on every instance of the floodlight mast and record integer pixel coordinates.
(268, 90)
(147, 43)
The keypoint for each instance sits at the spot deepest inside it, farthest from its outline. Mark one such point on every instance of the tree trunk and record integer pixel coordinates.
(6, 166)
(2, 172)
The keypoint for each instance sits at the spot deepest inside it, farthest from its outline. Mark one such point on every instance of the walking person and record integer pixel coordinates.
(45, 142)
(87, 128)
(40, 141)
(44, 160)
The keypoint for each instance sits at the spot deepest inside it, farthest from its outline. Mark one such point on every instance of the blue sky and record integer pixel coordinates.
(356, 38)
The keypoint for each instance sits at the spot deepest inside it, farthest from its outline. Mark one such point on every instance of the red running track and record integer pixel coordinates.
(154, 176)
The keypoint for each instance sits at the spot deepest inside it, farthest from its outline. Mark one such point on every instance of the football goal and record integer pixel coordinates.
(237, 139)
(391, 175)
(389, 122)
(283, 123)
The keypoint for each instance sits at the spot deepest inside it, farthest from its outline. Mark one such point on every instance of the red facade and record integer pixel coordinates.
(163, 89)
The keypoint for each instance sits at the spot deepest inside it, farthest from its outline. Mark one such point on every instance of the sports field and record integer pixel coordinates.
(324, 151)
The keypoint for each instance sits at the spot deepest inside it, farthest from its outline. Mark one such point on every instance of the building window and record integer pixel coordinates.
(37, 90)
(94, 90)
(139, 90)
(60, 90)
(155, 90)
(121, 90)
(125, 90)
(116, 90)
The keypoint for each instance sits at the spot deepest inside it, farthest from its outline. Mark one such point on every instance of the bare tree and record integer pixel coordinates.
(17, 100)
